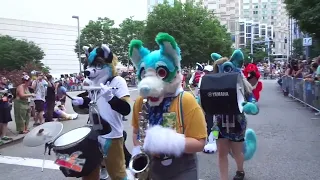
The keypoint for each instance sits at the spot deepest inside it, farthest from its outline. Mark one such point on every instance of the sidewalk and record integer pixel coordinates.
(12, 133)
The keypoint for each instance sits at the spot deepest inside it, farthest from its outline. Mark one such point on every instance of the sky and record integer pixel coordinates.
(61, 11)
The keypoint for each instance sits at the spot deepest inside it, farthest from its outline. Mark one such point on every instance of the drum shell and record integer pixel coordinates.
(218, 93)
(89, 146)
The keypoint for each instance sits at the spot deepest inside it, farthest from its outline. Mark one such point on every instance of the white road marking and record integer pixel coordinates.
(37, 163)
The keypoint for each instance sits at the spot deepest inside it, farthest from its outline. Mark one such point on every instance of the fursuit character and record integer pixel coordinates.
(251, 72)
(177, 128)
(195, 78)
(206, 70)
(241, 141)
(112, 105)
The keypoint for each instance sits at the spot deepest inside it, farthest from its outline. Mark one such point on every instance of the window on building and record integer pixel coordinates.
(256, 6)
(284, 46)
(256, 30)
(272, 23)
(241, 39)
(242, 27)
(241, 33)
(255, 12)
(263, 32)
(271, 17)
(248, 40)
(274, 34)
(246, 6)
(248, 29)
(242, 46)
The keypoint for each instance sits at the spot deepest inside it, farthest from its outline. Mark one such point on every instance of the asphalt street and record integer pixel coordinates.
(288, 145)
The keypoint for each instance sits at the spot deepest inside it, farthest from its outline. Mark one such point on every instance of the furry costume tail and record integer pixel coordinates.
(250, 144)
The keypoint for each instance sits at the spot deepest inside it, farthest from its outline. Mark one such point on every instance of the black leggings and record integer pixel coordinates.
(209, 120)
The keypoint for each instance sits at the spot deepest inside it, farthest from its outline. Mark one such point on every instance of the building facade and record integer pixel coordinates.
(152, 3)
(270, 12)
(266, 13)
(249, 29)
(57, 42)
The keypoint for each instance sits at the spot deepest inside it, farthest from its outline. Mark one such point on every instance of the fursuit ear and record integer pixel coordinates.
(137, 52)
(108, 56)
(169, 47)
(237, 58)
(215, 56)
(87, 50)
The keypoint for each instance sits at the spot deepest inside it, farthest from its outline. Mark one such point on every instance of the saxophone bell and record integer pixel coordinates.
(139, 164)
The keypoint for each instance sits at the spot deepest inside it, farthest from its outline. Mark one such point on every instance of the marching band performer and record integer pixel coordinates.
(177, 128)
(112, 105)
(237, 140)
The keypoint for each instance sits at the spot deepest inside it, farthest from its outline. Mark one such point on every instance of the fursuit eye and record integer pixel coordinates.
(142, 73)
(227, 69)
(162, 72)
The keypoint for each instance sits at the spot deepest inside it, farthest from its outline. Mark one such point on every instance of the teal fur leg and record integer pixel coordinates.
(106, 146)
(250, 144)
(198, 99)
(250, 108)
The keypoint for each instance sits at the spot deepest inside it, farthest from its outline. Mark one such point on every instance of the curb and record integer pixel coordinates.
(15, 140)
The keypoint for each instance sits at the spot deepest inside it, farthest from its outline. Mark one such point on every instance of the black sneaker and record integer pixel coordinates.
(239, 175)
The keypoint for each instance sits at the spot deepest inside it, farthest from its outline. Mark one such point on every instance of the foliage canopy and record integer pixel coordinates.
(15, 54)
(195, 29)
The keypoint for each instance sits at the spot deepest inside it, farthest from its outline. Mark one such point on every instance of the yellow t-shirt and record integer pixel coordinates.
(194, 124)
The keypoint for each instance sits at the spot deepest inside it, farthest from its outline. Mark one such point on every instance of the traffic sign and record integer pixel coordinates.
(307, 41)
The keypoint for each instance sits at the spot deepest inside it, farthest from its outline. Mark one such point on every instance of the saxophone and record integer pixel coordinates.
(139, 164)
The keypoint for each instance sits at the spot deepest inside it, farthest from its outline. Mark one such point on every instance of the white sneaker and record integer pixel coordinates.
(103, 174)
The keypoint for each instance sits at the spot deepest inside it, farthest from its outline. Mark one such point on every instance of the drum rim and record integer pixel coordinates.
(71, 144)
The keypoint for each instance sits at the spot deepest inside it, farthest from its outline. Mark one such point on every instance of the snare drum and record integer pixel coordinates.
(78, 152)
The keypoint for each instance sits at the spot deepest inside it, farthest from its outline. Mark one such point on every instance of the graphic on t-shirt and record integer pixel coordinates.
(169, 120)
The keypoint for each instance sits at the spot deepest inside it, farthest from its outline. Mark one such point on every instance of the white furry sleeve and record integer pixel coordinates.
(161, 140)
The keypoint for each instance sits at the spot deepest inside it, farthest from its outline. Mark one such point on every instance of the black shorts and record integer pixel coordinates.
(39, 105)
(5, 115)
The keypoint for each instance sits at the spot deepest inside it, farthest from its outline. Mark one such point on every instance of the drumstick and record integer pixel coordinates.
(44, 160)
(69, 96)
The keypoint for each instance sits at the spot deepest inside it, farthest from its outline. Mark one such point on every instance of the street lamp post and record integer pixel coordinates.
(79, 46)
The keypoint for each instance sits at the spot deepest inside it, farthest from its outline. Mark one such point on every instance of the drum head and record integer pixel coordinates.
(72, 136)
(240, 93)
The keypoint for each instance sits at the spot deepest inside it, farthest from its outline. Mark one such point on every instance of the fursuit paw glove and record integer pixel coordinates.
(77, 101)
(106, 92)
(211, 146)
(250, 108)
(160, 140)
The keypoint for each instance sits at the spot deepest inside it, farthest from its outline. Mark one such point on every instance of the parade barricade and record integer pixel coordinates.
(303, 91)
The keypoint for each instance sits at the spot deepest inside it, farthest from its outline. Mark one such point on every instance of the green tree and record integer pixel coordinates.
(306, 14)
(196, 30)
(96, 33)
(129, 29)
(15, 53)
(297, 48)
(259, 52)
